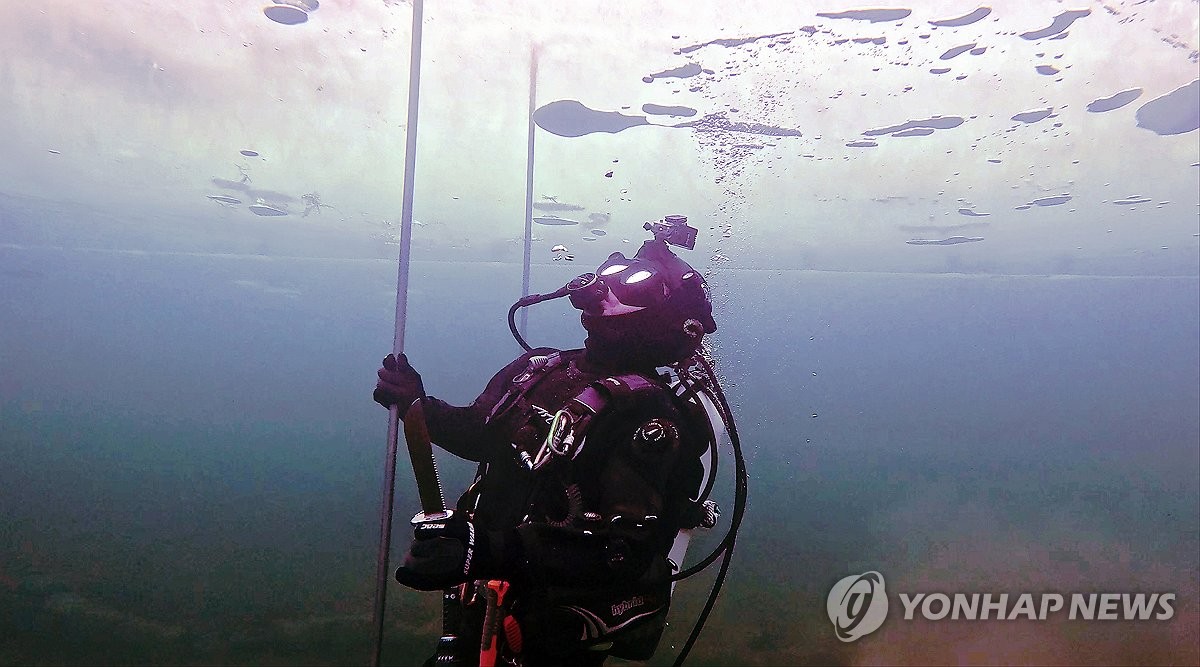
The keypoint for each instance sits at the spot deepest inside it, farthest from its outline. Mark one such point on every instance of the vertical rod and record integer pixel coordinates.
(532, 132)
(389, 472)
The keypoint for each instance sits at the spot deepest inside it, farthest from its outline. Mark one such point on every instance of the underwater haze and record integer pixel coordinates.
(954, 251)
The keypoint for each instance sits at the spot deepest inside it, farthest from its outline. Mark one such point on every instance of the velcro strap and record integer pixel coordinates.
(592, 399)
(597, 395)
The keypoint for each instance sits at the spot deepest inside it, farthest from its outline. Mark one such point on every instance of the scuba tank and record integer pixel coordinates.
(707, 509)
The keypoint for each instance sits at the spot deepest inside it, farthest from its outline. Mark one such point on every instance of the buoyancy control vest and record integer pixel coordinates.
(579, 446)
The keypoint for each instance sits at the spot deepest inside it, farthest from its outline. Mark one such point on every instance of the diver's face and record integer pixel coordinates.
(611, 306)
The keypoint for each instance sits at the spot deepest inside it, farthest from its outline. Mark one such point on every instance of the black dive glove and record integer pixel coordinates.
(399, 384)
(447, 553)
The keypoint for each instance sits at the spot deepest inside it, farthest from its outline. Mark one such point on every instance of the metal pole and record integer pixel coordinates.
(532, 131)
(389, 472)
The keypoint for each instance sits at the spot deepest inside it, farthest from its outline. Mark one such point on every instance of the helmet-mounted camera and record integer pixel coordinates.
(674, 230)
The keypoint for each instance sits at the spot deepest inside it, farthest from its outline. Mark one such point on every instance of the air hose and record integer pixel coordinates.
(725, 548)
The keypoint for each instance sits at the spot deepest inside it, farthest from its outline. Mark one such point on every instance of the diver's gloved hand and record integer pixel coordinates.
(447, 553)
(399, 384)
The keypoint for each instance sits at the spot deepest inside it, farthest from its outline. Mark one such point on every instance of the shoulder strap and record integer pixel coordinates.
(536, 369)
(597, 395)
(570, 425)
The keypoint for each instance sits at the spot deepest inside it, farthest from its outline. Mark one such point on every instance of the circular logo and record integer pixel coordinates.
(857, 605)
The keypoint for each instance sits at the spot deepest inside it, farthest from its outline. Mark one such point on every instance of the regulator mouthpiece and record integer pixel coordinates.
(586, 292)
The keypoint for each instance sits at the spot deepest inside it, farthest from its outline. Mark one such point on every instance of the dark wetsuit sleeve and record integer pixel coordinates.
(460, 430)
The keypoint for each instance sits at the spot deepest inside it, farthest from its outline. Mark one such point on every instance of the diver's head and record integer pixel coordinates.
(649, 310)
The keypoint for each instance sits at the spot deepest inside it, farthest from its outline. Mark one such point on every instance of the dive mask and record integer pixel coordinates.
(625, 285)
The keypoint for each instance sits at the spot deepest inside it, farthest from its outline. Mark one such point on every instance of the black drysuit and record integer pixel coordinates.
(592, 533)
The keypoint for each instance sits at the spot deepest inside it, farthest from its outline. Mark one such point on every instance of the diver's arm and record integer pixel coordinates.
(460, 430)
(455, 429)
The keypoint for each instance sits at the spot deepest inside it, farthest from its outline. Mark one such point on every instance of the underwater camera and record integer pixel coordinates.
(674, 230)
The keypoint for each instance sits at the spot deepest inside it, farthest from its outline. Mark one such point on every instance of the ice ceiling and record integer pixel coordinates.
(1035, 137)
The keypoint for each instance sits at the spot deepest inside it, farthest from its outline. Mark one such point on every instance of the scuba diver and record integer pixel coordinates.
(594, 467)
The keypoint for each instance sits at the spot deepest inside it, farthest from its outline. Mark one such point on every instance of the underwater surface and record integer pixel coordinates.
(954, 252)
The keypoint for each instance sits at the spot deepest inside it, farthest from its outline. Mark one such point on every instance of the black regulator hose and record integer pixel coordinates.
(740, 488)
(512, 325)
(739, 509)
(529, 301)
